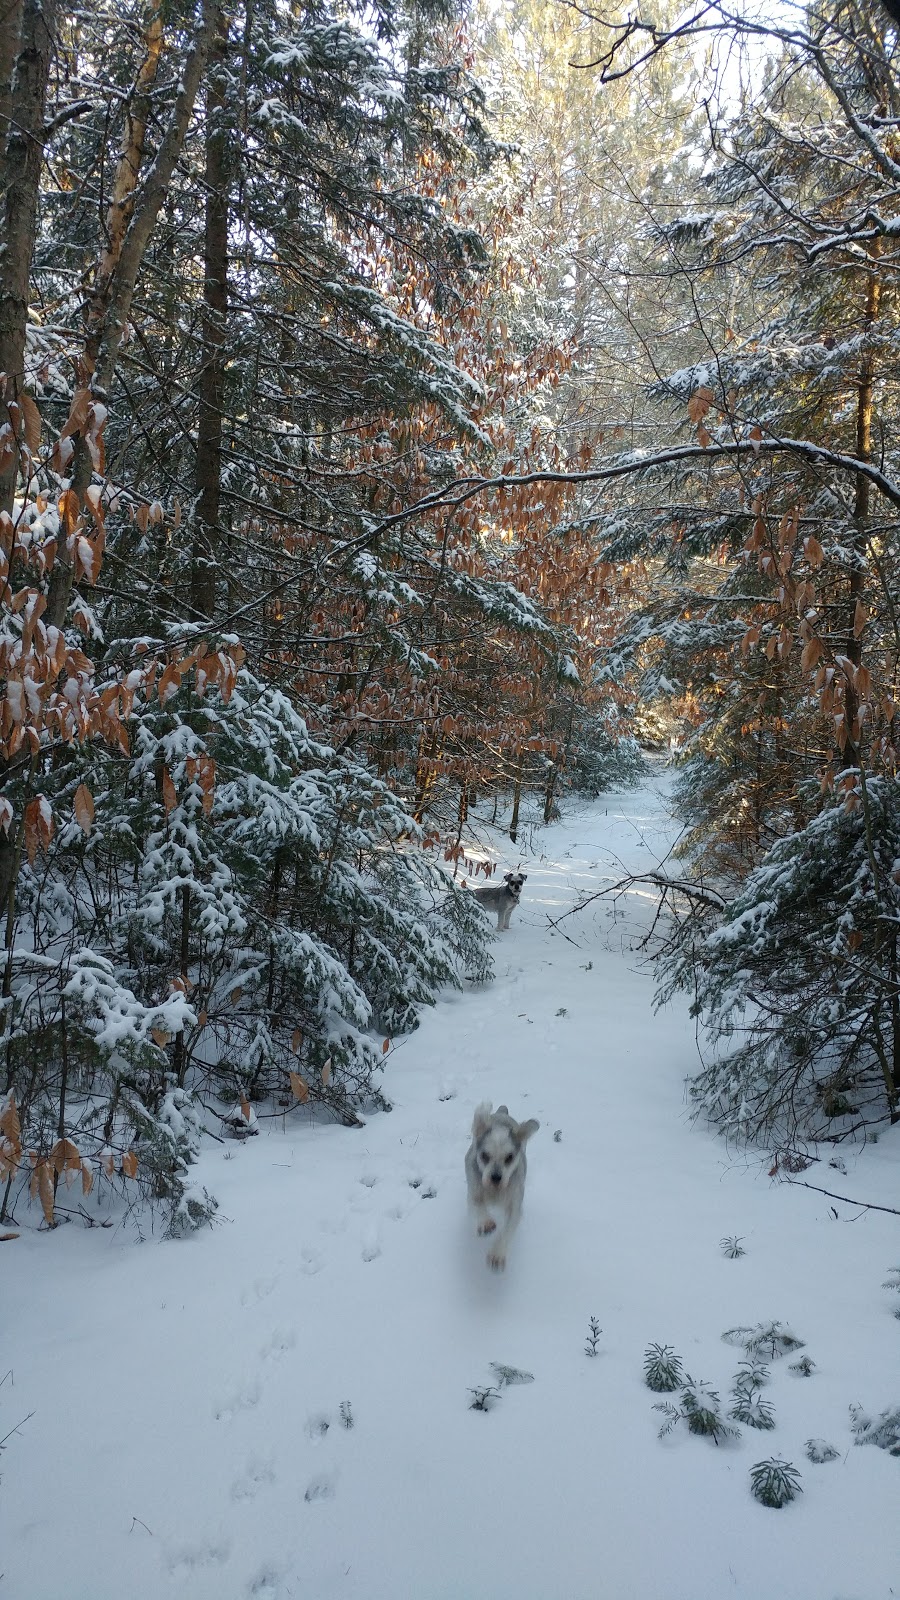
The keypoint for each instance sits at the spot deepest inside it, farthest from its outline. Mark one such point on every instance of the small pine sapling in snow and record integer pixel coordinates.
(892, 1281)
(732, 1247)
(507, 1376)
(770, 1339)
(820, 1451)
(774, 1483)
(662, 1369)
(883, 1430)
(701, 1408)
(593, 1336)
(747, 1406)
(804, 1368)
(484, 1398)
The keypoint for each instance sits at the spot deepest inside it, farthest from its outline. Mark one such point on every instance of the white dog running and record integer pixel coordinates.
(495, 1176)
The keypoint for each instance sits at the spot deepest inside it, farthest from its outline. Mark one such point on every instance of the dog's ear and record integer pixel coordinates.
(523, 876)
(506, 877)
(482, 1119)
(503, 1111)
(526, 1129)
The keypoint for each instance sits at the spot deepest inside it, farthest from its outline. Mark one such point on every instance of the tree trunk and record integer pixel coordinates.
(215, 320)
(517, 796)
(23, 156)
(119, 266)
(861, 501)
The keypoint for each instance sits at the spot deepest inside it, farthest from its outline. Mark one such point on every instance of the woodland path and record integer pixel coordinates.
(187, 1437)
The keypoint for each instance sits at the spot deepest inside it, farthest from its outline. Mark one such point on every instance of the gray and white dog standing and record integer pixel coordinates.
(495, 1176)
(502, 897)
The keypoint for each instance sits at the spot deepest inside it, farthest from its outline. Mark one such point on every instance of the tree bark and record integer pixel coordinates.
(215, 320)
(117, 273)
(23, 155)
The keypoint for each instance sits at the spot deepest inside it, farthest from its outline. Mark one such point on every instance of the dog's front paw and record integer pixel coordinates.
(496, 1261)
(487, 1226)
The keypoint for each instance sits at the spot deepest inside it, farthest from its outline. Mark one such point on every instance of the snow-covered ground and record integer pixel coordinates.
(187, 1436)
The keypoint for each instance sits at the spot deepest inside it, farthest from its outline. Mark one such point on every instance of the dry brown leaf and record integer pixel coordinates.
(160, 1037)
(235, 994)
(64, 1157)
(41, 1186)
(9, 1124)
(83, 806)
(326, 1073)
(299, 1088)
(245, 1108)
(129, 1164)
(108, 1163)
(169, 796)
(296, 1040)
(31, 422)
(385, 1047)
(87, 1179)
(5, 1237)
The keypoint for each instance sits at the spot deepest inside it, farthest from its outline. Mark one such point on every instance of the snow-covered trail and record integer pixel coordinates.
(187, 1437)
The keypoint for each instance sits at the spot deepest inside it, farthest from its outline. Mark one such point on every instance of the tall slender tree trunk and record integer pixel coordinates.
(120, 263)
(33, 22)
(861, 504)
(23, 140)
(206, 543)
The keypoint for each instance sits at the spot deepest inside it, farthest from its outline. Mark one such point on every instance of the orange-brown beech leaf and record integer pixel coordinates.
(69, 510)
(296, 1040)
(811, 654)
(771, 647)
(169, 683)
(142, 517)
(236, 994)
(31, 422)
(386, 1045)
(38, 826)
(326, 1073)
(41, 1187)
(129, 1164)
(9, 1125)
(160, 1037)
(299, 1088)
(863, 682)
(108, 1163)
(755, 437)
(169, 796)
(207, 769)
(854, 938)
(813, 551)
(860, 618)
(5, 1237)
(78, 412)
(202, 1018)
(887, 710)
(699, 403)
(245, 1108)
(83, 806)
(703, 438)
(64, 1157)
(87, 1179)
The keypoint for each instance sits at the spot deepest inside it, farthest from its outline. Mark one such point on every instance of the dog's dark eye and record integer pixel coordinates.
(508, 1162)
(484, 1158)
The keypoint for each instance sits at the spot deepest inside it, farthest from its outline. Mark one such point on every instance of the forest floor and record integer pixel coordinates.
(279, 1406)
